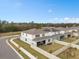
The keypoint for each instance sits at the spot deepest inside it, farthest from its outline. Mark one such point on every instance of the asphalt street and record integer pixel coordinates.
(6, 52)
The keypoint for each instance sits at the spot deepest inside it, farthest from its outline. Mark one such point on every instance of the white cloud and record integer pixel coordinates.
(50, 11)
(66, 18)
(71, 20)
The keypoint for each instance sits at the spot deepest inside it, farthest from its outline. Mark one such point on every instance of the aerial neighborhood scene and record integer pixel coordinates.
(39, 29)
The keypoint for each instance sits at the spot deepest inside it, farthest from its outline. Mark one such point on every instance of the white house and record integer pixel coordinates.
(45, 36)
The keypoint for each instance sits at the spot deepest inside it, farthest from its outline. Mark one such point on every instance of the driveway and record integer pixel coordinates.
(6, 52)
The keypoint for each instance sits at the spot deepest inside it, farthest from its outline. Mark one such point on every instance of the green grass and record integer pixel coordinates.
(19, 51)
(51, 47)
(30, 50)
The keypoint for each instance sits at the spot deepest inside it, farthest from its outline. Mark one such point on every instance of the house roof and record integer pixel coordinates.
(40, 31)
(44, 38)
(46, 30)
(35, 31)
(48, 37)
(53, 29)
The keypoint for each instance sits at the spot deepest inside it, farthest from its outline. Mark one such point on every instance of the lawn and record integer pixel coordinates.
(29, 49)
(51, 47)
(19, 51)
(70, 54)
(78, 43)
(70, 39)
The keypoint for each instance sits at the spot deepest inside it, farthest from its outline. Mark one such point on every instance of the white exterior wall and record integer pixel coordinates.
(34, 43)
(50, 34)
(72, 30)
(41, 35)
(56, 32)
(75, 30)
(30, 36)
(23, 36)
(75, 34)
(26, 38)
(62, 32)
(48, 41)
(69, 30)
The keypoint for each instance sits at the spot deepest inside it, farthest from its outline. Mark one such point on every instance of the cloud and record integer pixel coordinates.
(71, 20)
(66, 18)
(50, 11)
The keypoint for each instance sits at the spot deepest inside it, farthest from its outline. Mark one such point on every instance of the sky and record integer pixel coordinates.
(40, 11)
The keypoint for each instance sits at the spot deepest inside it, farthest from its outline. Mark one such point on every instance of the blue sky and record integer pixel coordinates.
(51, 11)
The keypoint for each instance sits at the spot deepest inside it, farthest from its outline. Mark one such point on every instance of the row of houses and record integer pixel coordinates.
(47, 35)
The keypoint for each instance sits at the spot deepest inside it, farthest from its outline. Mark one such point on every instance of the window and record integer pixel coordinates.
(26, 34)
(48, 40)
(25, 39)
(37, 35)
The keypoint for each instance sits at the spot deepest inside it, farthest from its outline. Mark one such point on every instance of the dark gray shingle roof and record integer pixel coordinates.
(48, 37)
(35, 31)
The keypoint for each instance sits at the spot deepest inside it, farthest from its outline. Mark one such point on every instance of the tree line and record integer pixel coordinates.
(6, 26)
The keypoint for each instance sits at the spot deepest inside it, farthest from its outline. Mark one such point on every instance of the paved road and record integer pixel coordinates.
(6, 52)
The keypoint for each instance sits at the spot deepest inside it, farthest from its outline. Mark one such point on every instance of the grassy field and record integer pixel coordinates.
(78, 43)
(29, 49)
(9, 33)
(69, 54)
(19, 51)
(51, 47)
(70, 39)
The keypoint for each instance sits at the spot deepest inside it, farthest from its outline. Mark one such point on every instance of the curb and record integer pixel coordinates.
(23, 50)
(14, 49)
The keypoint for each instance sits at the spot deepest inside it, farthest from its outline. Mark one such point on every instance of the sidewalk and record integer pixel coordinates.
(60, 50)
(50, 56)
(67, 45)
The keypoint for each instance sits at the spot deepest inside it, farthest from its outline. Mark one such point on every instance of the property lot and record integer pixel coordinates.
(70, 53)
(70, 39)
(51, 47)
(29, 49)
(78, 43)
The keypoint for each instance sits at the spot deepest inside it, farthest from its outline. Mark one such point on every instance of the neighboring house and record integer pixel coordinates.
(46, 35)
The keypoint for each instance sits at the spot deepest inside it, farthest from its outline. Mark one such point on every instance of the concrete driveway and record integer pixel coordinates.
(6, 51)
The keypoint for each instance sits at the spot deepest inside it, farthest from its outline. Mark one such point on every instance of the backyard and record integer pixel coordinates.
(70, 53)
(51, 47)
(78, 43)
(70, 39)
